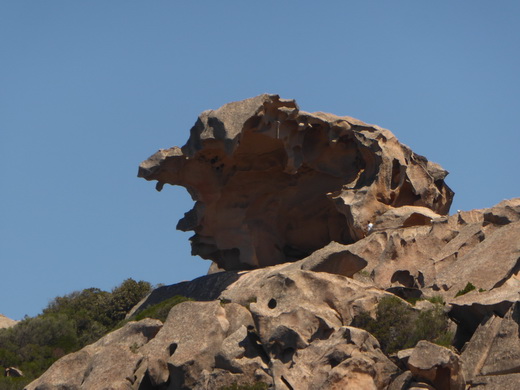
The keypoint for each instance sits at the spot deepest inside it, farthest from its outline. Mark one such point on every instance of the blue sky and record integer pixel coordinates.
(90, 89)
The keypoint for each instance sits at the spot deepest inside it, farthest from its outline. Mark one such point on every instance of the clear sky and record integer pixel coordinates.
(89, 89)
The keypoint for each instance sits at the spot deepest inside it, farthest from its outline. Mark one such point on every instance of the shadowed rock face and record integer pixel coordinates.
(273, 184)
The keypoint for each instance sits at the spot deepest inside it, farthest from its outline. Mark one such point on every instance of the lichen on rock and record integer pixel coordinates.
(273, 184)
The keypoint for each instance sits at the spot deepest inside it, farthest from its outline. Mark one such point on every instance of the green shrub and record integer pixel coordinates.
(469, 287)
(67, 324)
(398, 326)
(9, 383)
(125, 297)
(160, 311)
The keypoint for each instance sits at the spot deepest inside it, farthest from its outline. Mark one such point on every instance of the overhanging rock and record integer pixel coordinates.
(273, 184)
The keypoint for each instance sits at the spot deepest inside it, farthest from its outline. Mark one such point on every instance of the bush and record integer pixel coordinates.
(436, 299)
(67, 324)
(398, 326)
(160, 311)
(469, 287)
(8, 383)
(125, 297)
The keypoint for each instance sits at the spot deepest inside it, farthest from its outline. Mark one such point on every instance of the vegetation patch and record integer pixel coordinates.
(398, 326)
(160, 311)
(436, 299)
(9, 383)
(469, 287)
(66, 325)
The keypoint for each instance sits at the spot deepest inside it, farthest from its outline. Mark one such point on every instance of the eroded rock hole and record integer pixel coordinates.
(396, 174)
(336, 357)
(272, 303)
(404, 278)
(172, 348)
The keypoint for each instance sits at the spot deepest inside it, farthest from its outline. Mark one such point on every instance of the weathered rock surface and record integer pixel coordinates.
(246, 287)
(437, 365)
(349, 358)
(273, 184)
(6, 322)
(494, 350)
(440, 255)
(283, 325)
(108, 363)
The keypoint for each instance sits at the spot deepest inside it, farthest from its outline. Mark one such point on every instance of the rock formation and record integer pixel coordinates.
(271, 325)
(273, 183)
(283, 202)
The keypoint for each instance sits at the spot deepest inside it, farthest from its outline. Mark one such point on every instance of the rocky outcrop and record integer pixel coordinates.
(273, 184)
(441, 255)
(312, 220)
(111, 362)
(437, 365)
(493, 353)
(285, 326)
(6, 322)
(290, 327)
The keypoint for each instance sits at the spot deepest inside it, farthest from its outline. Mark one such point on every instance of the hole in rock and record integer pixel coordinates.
(272, 303)
(420, 278)
(336, 357)
(287, 355)
(257, 347)
(396, 174)
(146, 383)
(406, 195)
(405, 293)
(404, 278)
(417, 219)
(172, 348)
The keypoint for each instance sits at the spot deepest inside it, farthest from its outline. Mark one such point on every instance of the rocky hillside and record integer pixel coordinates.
(336, 266)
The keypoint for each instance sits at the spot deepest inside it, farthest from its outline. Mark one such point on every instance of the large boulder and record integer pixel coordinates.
(437, 365)
(273, 184)
(494, 351)
(108, 363)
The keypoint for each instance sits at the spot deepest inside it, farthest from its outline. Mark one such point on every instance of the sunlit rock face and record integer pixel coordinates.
(273, 184)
